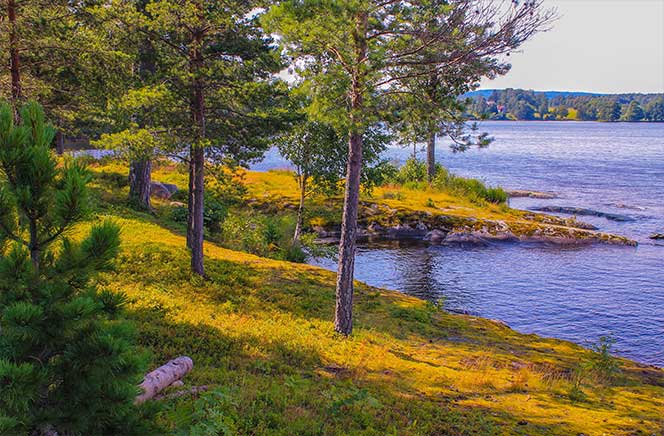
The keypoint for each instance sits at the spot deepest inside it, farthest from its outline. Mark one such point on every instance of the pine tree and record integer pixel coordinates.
(67, 359)
(355, 54)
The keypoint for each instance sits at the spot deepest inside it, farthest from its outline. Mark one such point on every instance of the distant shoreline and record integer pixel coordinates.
(568, 121)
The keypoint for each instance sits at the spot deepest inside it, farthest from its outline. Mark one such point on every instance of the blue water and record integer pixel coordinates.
(574, 293)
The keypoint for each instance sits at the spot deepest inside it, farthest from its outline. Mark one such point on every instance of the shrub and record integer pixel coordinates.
(602, 363)
(413, 171)
(224, 189)
(473, 189)
(263, 235)
(413, 175)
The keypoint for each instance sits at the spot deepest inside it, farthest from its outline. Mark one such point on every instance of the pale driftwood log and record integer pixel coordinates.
(162, 377)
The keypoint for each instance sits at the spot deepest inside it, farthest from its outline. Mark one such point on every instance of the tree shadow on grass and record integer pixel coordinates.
(284, 392)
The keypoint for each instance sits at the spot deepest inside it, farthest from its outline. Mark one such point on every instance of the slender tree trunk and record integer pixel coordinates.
(190, 199)
(197, 162)
(300, 209)
(59, 142)
(197, 212)
(14, 60)
(431, 157)
(140, 178)
(343, 321)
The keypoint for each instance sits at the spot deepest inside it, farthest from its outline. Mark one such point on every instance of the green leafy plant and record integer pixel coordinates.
(602, 363)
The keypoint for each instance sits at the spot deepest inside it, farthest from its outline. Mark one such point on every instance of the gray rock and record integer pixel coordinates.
(464, 238)
(516, 193)
(404, 232)
(160, 191)
(422, 226)
(435, 236)
(170, 187)
(375, 228)
(583, 211)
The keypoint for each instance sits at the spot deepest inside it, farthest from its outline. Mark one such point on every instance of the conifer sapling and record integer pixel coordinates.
(67, 359)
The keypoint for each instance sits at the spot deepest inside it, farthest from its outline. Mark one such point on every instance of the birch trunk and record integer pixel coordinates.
(164, 376)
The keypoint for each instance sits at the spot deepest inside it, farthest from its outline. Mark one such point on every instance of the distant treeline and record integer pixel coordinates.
(520, 104)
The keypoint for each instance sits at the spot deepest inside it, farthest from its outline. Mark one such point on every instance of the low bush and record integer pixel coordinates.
(263, 235)
(473, 189)
(413, 175)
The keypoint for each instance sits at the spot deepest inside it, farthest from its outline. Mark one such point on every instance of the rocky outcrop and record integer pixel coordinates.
(583, 211)
(381, 221)
(520, 193)
(657, 236)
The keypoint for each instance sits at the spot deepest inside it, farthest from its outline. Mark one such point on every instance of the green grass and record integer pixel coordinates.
(260, 332)
(413, 175)
(474, 189)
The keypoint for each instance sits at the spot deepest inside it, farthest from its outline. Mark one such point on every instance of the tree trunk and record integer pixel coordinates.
(190, 199)
(431, 157)
(197, 209)
(343, 321)
(59, 142)
(162, 377)
(197, 161)
(14, 60)
(300, 209)
(140, 179)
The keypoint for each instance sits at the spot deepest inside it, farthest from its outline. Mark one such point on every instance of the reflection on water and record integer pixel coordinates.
(573, 293)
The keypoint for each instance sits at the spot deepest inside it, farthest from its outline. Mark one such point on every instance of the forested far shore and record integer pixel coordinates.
(520, 104)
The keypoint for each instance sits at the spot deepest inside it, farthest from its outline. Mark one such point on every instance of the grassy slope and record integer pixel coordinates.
(261, 330)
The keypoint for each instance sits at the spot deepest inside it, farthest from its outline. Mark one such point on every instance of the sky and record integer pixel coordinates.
(604, 46)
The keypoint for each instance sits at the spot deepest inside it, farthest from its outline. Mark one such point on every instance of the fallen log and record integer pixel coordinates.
(164, 376)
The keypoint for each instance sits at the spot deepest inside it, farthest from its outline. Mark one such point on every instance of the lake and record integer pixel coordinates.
(573, 293)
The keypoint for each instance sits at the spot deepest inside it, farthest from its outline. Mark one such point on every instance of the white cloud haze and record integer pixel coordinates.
(610, 46)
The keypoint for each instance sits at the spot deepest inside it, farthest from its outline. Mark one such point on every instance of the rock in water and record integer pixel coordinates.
(435, 236)
(516, 193)
(583, 211)
(657, 236)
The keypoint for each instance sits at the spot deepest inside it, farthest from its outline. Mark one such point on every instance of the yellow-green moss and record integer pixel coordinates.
(261, 332)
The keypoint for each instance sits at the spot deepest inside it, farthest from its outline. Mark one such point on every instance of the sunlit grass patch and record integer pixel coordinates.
(260, 332)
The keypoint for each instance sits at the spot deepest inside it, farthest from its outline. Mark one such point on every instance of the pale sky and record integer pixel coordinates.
(606, 46)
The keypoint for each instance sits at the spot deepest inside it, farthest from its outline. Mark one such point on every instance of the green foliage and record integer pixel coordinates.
(67, 359)
(413, 174)
(602, 363)
(263, 235)
(70, 60)
(633, 112)
(576, 394)
(521, 104)
(224, 189)
(214, 414)
(474, 189)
